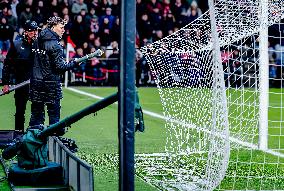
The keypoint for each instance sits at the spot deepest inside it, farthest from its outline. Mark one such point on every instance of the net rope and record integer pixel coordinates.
(198, 155)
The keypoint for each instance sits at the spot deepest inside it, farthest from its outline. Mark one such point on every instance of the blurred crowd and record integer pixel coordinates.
(239, 59)
(94, 24)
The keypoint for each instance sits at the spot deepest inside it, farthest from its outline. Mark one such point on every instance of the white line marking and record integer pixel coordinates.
(84, 93)
(156, 115)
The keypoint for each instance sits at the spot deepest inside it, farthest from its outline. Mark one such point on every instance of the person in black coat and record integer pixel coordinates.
(18, 63)
(49, 64)
(6, 36)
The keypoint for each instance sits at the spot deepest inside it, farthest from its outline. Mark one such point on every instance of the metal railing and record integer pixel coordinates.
(77, 173)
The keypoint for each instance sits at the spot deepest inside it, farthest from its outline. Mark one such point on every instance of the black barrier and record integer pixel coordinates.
(77, 173)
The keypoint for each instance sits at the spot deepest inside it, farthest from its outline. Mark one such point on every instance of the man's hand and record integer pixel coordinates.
(5, 89)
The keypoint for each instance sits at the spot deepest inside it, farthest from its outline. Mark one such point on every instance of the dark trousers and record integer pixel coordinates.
(37, 112)
(21, 98)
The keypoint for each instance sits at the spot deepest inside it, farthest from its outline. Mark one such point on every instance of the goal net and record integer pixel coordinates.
(222, 93)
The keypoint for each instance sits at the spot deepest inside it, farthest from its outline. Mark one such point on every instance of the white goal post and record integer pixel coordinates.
(263, 76)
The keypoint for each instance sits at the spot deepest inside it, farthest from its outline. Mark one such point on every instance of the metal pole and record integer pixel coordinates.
(126, 99)
(263, 77)
(67, 60)
(79, 115)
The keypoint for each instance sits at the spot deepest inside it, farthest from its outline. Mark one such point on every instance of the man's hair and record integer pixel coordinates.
(52, 21)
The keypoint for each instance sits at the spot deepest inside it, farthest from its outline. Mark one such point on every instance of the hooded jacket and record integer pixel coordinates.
(48, 66)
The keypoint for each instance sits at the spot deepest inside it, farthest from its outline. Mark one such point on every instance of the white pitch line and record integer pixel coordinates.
(156, 115)
(84, 93)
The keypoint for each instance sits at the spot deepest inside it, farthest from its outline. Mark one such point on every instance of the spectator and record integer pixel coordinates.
(68, 26)
(64, 4)
(91, 40)
(183, 19)
(115, 7)
(168, 23)
(80, 68)
(154, 6)
(116, 30)
(145, 28)
(4, 11)
(83, 13)
(158, 35)
(54, 8)
(96, 6)
(143, 69)
(6, 36)
(29, 3)
(138, 56)
(4, 3)
(203, 5)
(25, 15)
(109, 49)
(105, 37)
(193, 11)
(79, 31)
(94, 25)
(166, 7)
(20, 7)
(2, 57)
(97, 43)
(279, 66)
(78, 6)
(140, 9)
(113, 64)
(14, 4)
(193, 15)
(235, 68)
(11, 20)
(86, 48)
(42, 8)
(89, 16)
(65, 11)
(93, 69)
(104, 5)
(38, 16)
(105, 24)
(155, 16)
(109, 16)
(272, 67)
(177, 8)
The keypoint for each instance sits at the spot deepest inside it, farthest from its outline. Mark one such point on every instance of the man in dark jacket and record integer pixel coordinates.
(18, 64)
(48, 66)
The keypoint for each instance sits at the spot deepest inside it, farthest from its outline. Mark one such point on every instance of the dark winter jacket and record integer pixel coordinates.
(6, 32)
(18, 62)
(48, 66)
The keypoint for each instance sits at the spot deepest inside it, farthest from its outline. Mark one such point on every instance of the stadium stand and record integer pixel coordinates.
(98, 20)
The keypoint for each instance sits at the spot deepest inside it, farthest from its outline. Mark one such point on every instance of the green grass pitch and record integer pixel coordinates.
(97, 138)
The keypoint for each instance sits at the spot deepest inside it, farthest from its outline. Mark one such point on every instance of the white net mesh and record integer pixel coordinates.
(192, 93)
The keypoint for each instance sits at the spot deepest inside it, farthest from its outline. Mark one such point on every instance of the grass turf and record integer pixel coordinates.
(97, 135)
(4, 184)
